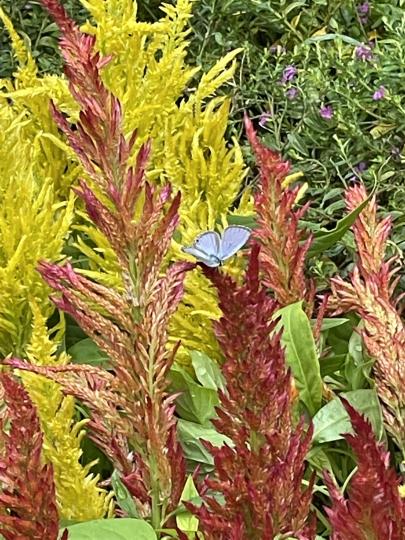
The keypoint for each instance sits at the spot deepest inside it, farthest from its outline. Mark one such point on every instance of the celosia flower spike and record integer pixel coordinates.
(260, 476)
(132, 413)
(370, 292)
(374, 508)
(283, 243)
(27, 498)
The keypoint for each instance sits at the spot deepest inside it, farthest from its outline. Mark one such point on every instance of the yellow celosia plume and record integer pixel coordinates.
(34, 221)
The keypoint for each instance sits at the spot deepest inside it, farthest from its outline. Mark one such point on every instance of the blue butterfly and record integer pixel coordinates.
(212, 249)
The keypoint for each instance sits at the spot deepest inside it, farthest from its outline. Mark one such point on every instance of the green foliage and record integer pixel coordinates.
(112, 529)
(39, 33)
(301, 354)
(364, 138)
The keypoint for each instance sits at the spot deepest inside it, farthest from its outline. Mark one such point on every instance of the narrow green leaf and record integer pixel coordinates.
(301, 354)
(186, 521)
(327, 324)
(324, 239)
(332, 37)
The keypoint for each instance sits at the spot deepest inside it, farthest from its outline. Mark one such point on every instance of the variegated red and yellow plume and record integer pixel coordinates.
(132, 413)
(284, 246)
(370, 292)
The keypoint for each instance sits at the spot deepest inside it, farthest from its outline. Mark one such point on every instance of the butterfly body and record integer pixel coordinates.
(212, 249)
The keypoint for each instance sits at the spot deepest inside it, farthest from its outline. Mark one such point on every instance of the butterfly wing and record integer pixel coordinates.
(209, 242)
(206, 248)
(233, 239)
(208, 260)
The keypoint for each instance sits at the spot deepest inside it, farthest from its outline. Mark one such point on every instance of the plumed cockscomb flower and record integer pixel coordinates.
(132, 411)
(374, 508)
(370, 292)
(260, 476)
(27, 498)
(283, 244)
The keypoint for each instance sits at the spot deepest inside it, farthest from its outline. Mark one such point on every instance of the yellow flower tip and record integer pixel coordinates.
(402, 491)
(301, 192)
(288, 180)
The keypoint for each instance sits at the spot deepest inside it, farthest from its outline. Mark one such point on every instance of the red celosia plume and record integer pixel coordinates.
(260, 476)
(284, 247)
(27, 498)
(374, 509)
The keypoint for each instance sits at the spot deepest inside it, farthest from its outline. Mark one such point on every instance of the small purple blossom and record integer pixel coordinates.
(361, 167)
(363, 52)
(292, 93)
(288, 74)
(363, 10)
(264, 118)
(326, 111)
(379, 93)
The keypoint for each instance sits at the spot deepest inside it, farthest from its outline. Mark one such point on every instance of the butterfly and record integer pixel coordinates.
(212, 249)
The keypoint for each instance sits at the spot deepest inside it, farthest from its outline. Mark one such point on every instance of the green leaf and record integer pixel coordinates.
(207, 372)
(124, 499)
(319, 460)
(195, 403)
(332, 420)
(86, 351)
(330, 323)
(246, 221)
(331, 37)
(186, 521)
(324, 239)
(301, 354)
(111, 529)
(331, 364)
(191, 434)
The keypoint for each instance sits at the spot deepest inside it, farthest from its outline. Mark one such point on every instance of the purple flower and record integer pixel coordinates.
(361, 167)
(326, 111)
(363, 9)
(364, 53)
(379, 93)
(292, 93)
(288, 74)
(264, 118)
